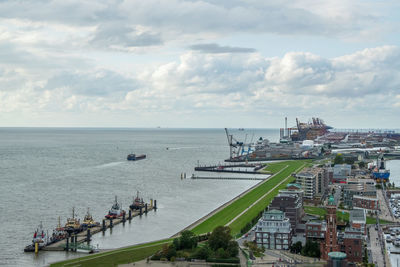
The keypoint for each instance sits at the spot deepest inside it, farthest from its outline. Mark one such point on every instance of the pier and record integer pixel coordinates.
(231, 168)
(73, 242)
(228, 178)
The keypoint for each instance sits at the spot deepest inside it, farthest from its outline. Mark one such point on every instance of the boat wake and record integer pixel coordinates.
(108, 165)
(185, 147)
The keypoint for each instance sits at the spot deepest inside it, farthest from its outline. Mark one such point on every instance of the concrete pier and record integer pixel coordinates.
(84, 236)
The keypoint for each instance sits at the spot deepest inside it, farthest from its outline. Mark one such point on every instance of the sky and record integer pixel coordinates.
(199, 64)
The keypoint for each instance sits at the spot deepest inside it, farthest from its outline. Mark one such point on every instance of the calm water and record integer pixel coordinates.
(46, 172)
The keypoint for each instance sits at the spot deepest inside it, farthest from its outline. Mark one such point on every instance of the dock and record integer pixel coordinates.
(228, 178)
(75, 241)
(232, 168)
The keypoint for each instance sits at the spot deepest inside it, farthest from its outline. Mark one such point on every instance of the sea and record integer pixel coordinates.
(46, 172)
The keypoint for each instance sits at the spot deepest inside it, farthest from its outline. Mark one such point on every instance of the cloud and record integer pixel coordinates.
(217, 49)
(118, 36)
(97, 83)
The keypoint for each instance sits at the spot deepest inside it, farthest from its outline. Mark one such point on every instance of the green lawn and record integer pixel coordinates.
(341, 216)
(228, 213)
(120, 256)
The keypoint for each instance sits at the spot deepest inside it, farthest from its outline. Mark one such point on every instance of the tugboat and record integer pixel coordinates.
(88, 221)
(39, 237)
(115, 211)
(58, 234)
(135, 157)
(73, 224)
(137, 203)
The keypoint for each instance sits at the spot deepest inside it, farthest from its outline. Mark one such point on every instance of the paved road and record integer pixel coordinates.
(376, 246)
(383, 204)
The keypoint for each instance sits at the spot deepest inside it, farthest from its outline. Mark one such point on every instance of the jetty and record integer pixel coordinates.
(228, 178)
(74, 242)
(233, 168)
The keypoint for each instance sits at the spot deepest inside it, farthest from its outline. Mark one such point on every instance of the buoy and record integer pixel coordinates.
(36, 248)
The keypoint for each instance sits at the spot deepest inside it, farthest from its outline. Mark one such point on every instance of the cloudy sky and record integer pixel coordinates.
(199, 63)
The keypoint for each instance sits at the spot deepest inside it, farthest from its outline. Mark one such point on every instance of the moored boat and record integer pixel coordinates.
(88, 221)
(73, 224)
(40, 238)
(115, 211)
(137, 203)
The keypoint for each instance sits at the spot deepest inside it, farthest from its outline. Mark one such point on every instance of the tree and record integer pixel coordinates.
(338, 159)
(220, 238)
(361, 164)
(233, 248)
(187, 240)
(203, 252)
(311, 249)
(296, 247)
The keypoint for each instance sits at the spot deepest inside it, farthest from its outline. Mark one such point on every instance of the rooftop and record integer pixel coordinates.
(358, 215)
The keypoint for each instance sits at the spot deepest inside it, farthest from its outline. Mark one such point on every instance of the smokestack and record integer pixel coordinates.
(286, 130)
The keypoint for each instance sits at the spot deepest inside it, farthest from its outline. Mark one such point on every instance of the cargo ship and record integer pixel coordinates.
(135, 157)
(380, 173)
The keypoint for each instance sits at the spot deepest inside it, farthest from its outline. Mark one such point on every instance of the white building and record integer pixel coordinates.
(273, 230)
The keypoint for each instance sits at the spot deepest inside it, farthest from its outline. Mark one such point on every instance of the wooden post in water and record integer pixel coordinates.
(104, 225)
(88, 235)
(123, 217)
(155, 204)
(67, 245)
(140, 211)
(111, 223)
(130, 215)
(145, 208)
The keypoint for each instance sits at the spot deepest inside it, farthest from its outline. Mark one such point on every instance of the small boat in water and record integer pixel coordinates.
(39, 237)
(135, 157)
(388, 238)
(73, 224)
(88, 221)
(115, 211)
(137, 203)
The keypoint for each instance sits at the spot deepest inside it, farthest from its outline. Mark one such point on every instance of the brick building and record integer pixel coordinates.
(291, 204)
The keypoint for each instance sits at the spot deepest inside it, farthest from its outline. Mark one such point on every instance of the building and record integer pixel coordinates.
(273, 230)
(358, 220)
(315, 231)
(353, 244)
(330, 244)
(370, 204)
(357, 189)
(341, 172)
(337, 259)
(291, 204)
(307, 181)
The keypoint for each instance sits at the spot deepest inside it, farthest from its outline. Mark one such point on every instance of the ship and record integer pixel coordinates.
(88, 221)
(115, 211)
(73, 224)
(39, 237)
(380, 173)
(316, 127)
(137, 203)
(59, 233)
(135, 157)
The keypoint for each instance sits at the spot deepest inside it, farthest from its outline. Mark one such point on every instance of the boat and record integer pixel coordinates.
(39, 237)
(137, 203)
(73, 224)
(380, 173)
(388, 239)
(115, 211)
(88, 221)
(135, 157)
(59, 233)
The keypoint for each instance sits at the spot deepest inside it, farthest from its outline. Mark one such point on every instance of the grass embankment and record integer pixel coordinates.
(281, 170)
(115, 257)
(341, 215)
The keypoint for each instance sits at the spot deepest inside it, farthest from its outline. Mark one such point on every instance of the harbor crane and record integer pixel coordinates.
(238, 148)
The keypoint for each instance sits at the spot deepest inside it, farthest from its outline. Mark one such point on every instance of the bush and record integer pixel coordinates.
(229, 260)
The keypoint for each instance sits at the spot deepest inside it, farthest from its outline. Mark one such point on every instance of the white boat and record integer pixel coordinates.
(388, 239)
(397, 242)
(115, 211)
